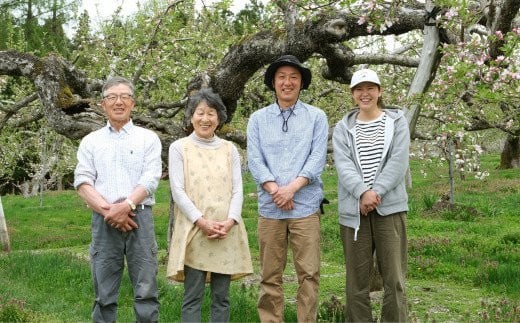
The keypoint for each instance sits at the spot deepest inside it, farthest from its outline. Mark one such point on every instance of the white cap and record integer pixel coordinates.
(364, 75)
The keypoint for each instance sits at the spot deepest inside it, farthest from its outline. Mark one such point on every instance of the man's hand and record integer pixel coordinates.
(119, 216)
(283, 198)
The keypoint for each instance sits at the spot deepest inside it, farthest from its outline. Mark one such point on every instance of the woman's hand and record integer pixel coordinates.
(226, 226)
(212, 229)
(369, 201)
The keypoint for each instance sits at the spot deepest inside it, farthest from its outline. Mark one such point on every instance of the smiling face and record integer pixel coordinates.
(287, 85)
(366, 96)
(204, 120)
(118, 102)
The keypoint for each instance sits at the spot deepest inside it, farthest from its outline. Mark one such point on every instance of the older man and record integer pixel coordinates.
(118, 171)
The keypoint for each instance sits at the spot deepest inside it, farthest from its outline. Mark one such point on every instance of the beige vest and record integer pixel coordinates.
(208, 183)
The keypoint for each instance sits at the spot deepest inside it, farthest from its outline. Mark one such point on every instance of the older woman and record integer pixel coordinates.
(371, 146)
(209, 241)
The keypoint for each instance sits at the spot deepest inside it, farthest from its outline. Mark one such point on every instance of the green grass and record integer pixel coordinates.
(463, 261)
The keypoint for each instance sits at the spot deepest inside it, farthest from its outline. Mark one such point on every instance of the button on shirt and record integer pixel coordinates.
(114, 163)
(276, 155)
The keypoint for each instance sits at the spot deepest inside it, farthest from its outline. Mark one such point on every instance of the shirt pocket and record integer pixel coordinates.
(135, 157)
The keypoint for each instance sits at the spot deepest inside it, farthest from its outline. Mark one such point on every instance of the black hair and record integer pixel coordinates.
(212, 99)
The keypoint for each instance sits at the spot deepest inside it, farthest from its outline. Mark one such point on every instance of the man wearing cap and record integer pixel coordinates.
(286, 148)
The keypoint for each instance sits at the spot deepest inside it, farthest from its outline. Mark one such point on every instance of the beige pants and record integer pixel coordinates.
(304, 237)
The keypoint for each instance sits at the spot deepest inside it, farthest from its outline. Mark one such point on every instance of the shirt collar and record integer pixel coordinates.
(275, 108)
(194, 136)
(126, 128)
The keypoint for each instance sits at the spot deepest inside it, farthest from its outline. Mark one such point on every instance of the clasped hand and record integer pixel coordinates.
(215, 229)
(119, 217)
(369, 201)
(283, 198)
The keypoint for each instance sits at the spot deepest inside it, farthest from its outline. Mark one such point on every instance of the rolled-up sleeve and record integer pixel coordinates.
(85, 172)
(152, 170)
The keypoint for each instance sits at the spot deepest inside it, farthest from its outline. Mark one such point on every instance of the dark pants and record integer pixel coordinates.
(387, 236)
(194, 286)
(108, 250)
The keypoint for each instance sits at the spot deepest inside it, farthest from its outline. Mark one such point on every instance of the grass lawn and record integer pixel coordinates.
(463, 259)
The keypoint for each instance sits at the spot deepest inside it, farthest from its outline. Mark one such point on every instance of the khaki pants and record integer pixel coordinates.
(386, 235)
(304, 237)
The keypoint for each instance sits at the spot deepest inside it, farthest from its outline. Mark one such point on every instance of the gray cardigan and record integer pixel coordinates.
(389, 180)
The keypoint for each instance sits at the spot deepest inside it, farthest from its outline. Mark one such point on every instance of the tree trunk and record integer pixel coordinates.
(4, 235)
(428, 64)
(171, 222)
(510, 157)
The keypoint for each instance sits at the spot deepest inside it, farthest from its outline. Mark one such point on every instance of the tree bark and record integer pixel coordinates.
(4, 235)
(429, 62)
(510, 156)
(69, 97)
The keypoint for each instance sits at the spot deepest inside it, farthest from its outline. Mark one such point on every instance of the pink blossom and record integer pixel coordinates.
(451, 13)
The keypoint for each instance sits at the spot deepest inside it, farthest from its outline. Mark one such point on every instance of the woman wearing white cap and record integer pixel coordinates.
(371, 149)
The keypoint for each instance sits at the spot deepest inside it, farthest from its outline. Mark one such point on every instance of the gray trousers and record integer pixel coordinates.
(386, 235)
(108, 250)
(194, 286)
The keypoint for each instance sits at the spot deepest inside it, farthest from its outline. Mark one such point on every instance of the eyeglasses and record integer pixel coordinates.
(112, 98)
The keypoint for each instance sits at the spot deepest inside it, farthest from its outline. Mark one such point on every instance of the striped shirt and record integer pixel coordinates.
(281, 153)
(370, 141)
(114, 163)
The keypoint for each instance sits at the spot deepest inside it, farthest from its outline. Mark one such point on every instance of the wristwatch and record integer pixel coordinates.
(131, 203)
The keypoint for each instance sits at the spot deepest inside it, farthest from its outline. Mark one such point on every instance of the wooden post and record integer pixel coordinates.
(4, 235)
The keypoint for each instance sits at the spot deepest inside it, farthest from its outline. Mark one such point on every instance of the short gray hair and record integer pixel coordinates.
(116, 80)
